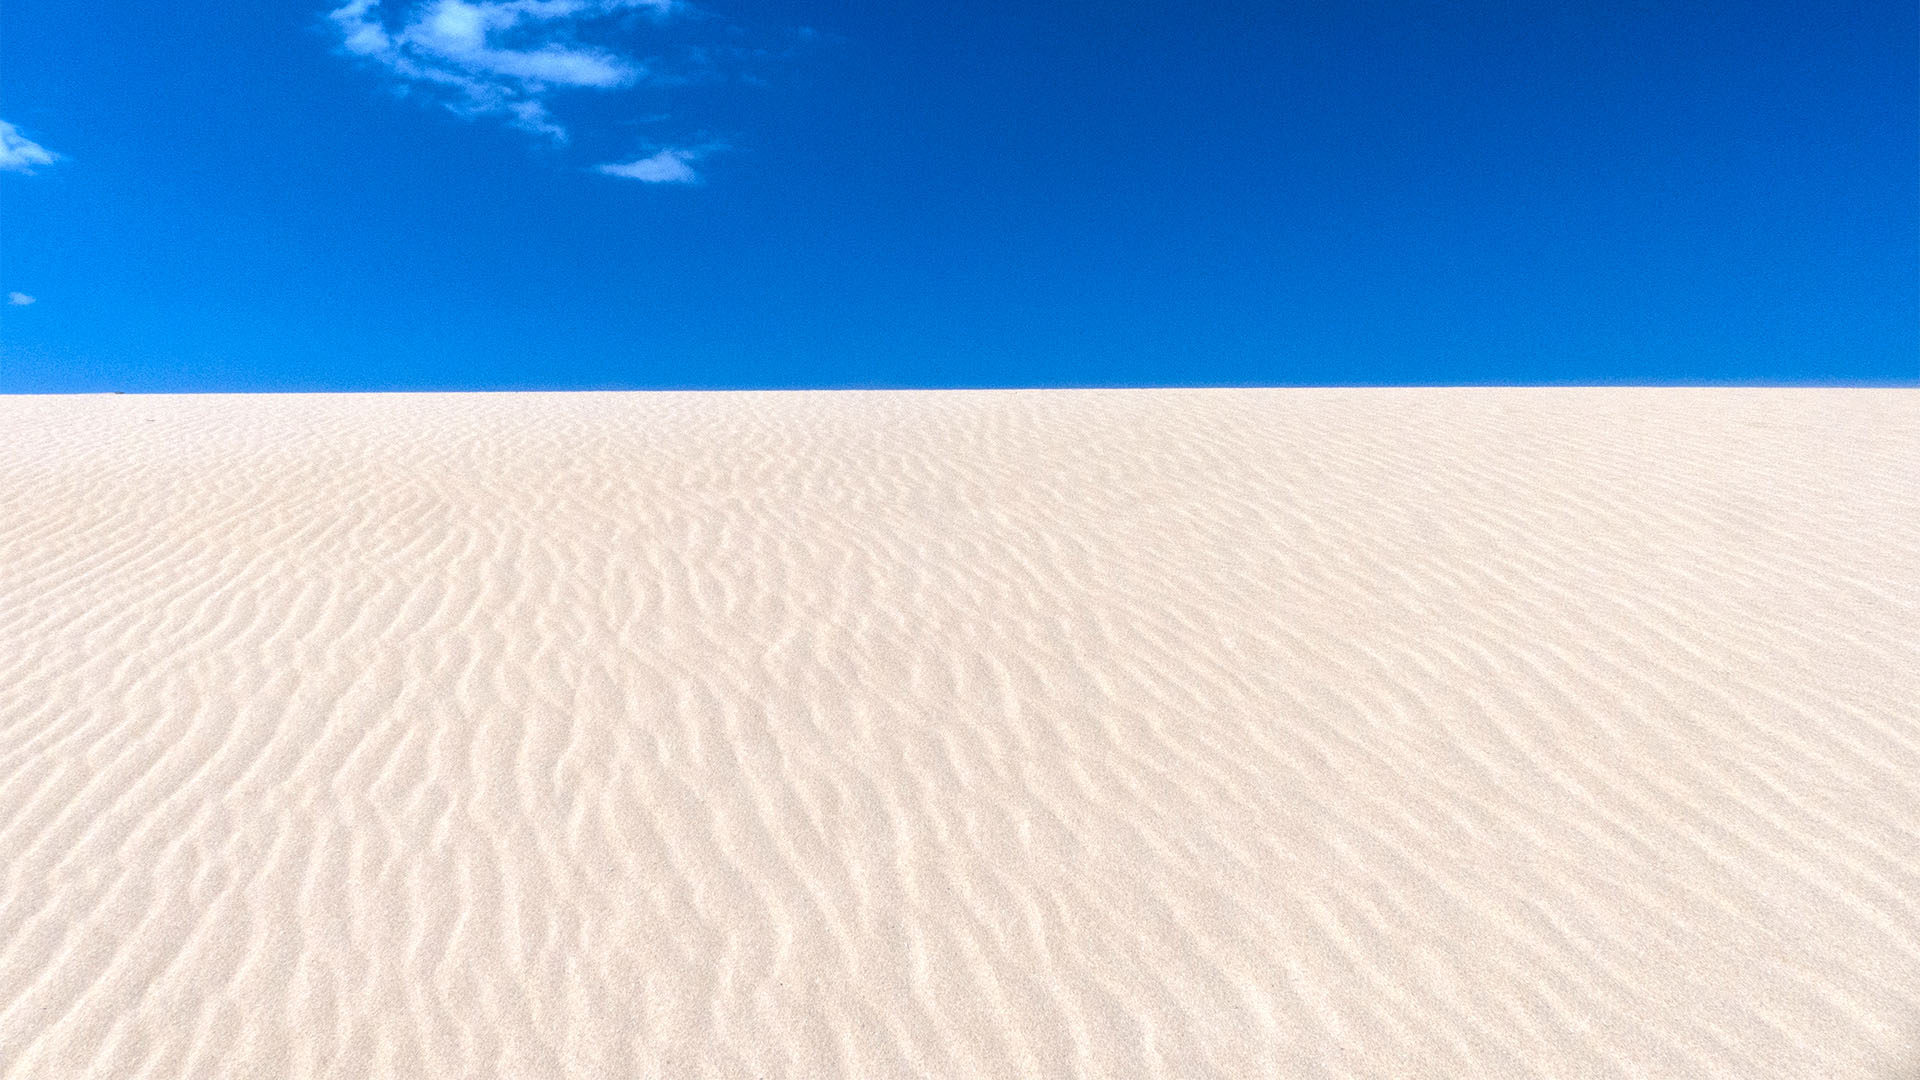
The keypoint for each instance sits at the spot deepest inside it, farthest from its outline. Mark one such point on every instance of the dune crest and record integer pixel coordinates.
(1236, 733)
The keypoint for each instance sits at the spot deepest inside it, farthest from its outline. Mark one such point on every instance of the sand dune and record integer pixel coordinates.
(1424, 733)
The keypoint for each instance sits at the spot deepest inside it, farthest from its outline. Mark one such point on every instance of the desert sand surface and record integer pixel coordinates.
(1563, 733)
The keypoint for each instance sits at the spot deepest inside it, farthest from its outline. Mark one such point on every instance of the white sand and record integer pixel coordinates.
(1430, 733)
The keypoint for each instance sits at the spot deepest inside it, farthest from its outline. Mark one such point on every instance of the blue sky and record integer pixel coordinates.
(445, 194)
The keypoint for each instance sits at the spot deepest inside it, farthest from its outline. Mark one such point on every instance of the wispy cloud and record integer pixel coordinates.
(18, 299)
(503, 58)
(665, 167)
(20, 154)
(516, 60)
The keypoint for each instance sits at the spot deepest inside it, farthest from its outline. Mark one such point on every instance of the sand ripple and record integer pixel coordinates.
(1556, 733)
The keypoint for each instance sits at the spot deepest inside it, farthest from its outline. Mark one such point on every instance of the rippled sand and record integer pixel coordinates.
(1415, 733)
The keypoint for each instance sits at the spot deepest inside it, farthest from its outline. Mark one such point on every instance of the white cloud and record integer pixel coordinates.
(20, 154)
(515, 60)
(18, 299)
(502, 58)
(665, 167)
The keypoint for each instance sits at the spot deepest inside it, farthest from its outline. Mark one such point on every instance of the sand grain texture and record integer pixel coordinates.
(1424, 733)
